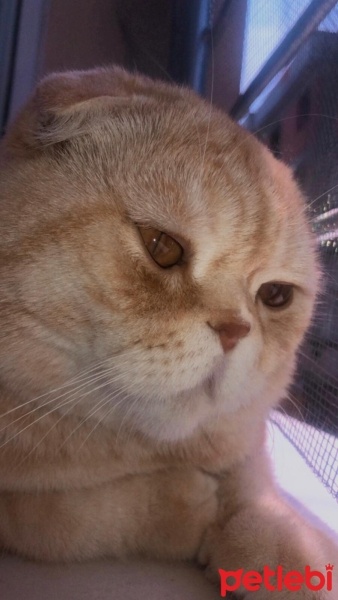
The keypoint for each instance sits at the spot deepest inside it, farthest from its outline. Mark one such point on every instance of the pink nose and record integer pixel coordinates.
(230, 333)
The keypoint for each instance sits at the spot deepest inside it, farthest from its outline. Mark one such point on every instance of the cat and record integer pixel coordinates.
(158, 275)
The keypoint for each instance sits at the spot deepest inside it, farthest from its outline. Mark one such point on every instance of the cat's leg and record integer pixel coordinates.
(257, 528)
(163, 515)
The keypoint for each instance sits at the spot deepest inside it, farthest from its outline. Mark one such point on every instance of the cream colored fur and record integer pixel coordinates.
(125, 428)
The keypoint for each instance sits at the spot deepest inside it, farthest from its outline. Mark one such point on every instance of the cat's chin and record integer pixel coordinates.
(182, 416)
(172, 415)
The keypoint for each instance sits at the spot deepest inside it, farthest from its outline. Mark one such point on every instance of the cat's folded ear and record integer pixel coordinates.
(65, 105)
(68, 104)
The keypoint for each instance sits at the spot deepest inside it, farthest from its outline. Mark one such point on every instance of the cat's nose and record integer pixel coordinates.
(230, 332)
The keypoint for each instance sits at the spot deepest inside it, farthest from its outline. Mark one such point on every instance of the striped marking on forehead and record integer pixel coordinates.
(235, 237)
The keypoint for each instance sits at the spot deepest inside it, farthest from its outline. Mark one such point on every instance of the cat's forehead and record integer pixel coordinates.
(229, 202)
(195, 175)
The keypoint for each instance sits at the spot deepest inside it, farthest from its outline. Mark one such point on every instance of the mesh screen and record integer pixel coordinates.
(319, 449)
(298, 119)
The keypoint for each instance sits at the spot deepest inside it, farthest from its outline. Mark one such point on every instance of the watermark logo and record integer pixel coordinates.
(275, 580)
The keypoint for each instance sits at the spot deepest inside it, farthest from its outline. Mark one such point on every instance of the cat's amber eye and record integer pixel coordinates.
(163, 249)
(275, 294)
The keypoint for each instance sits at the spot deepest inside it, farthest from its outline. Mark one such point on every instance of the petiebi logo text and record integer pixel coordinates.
(275, 580)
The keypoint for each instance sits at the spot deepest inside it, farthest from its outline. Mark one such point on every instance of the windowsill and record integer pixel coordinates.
(297, 479)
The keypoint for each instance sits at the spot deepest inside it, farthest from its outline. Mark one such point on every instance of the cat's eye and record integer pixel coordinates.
(275, 294)
(163, 249)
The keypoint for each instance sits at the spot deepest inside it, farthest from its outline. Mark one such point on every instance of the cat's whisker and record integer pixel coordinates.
(101, 420)
(321, 195)
(101, 402)
(82, 380)
(170, 78)
(145, 403)
(308, 205)
(283, 119)
(294, 402)
(314, 336)
(270, 430)
(327, 278)
(131, 407)
(318, 366)
(54, 410)
(11, 438)
(97, 424)
(127, 414)
(73, 392)
(63, 415)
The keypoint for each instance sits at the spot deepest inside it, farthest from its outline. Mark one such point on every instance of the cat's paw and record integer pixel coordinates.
(261, 553)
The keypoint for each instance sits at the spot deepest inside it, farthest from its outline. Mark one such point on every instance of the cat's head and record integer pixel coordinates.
(151, 245)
